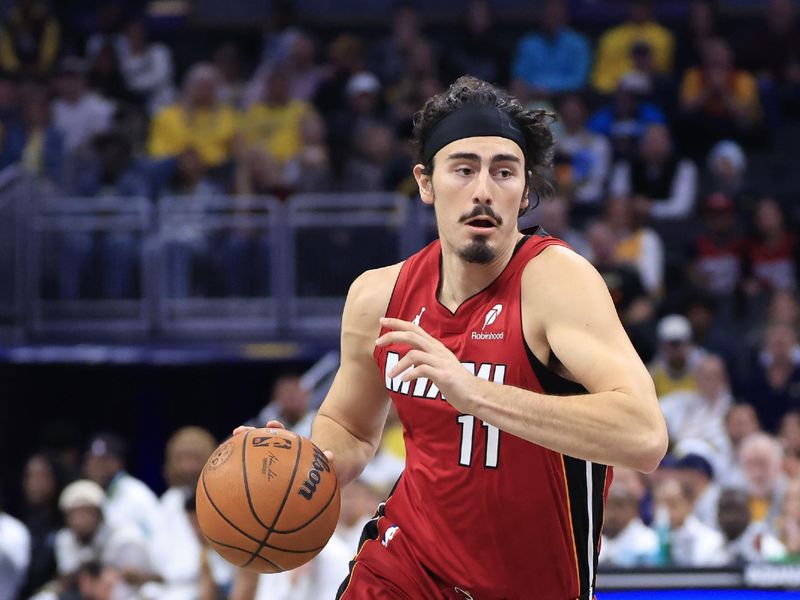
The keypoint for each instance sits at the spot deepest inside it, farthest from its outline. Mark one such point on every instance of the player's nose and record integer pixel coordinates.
(482, 194)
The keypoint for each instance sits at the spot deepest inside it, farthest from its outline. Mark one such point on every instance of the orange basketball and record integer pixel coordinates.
(268, 500)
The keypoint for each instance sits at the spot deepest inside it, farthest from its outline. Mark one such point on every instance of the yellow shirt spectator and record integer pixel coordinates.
(614, 52)
(738, 89)
(208, 131)
(277, 128)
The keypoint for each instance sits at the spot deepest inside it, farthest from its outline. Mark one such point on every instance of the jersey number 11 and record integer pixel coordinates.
(467, 423)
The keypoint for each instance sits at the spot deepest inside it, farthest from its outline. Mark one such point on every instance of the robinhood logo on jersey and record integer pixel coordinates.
(490, 318)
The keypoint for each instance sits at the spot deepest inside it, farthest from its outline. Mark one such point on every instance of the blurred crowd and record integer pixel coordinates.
(658, 126)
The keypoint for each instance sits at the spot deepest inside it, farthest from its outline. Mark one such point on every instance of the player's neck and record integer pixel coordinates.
(461, 280)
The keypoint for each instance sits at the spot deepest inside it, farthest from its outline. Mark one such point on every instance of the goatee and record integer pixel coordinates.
(477, 252)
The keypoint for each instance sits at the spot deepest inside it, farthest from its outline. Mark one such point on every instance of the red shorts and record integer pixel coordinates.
(386, 568)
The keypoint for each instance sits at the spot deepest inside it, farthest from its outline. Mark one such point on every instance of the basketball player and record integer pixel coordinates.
(513, 378)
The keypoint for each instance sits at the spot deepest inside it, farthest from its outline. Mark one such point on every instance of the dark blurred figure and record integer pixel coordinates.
(772, 53)
(44, 479)
(105, 75)
(582, 158)
(478, 47)
(388, 59)
(745, 541)
(660, 88)
(30, 39)
(774, 384)
(634, 306)
(718, 101)
(625, 119)
(368, 168)
(146, 67)
(726, 172)
(14, 553)
(772, 253)
(662, 182)
(552, 61)
(290, 404)
(702, 24)
(228, 61)
(345, 59)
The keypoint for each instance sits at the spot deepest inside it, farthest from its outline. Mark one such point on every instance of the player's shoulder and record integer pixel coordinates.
(371, 291)
(558, 273)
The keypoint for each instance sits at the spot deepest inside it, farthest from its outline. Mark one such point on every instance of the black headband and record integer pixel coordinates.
(472, 121)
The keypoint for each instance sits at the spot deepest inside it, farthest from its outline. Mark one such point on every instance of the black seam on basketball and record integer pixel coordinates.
(321, 510)
(221, 514)
(283, 503)
(274, 564)
(306, 551)
(247, 484)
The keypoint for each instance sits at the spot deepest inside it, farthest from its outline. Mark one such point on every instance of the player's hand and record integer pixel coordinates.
(274, 425)
(270, 424)
(429, 358)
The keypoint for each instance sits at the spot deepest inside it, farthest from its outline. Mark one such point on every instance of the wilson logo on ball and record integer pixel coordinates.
(271, 442)
(314, 476)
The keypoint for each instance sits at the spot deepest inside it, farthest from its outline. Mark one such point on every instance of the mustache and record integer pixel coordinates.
(481, 210)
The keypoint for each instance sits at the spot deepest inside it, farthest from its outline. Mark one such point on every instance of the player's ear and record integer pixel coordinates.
(425, 183)
(524, 201)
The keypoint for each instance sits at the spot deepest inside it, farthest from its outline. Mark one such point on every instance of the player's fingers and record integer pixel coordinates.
(401, 325)
(421, 371)
(328, 455)
(411, 358)
(410, 338)
(242, 429)
(274, 425)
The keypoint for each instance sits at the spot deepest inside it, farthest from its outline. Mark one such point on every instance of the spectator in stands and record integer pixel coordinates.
(127, 499)
(712, 332)
(690, 543)
(305, 75)
(420, 76)
(15, 545)
(95, 583)
(626, 541)
(110, 169)
(663, 183)
(30, 38)
(772, 253)
(79, 114)
(200, 121)
(788, 525)
(761, 460)
(478, 48)
(624, 121)
(345, 59)
(717, 100)
(784, 307)
(658, 86)
(105, 75)
(359, 500)
(702, 24)
(388, 58)
(699, 414)
(290, 404)
(726, 172)
(274, 123)
(367, 169)
(613, 59)
(772, 53)
(184, 560)
(634, 306)
(553, 61)
(740, 422)
(43, 481)
(673, 368)
(774, 383)
(40, 147)
(89, 537)
(109, 20)
(228, 61)
(637, 245)
(718, 253)
(582, 158)
(789, 436)
(697, 472)
(310, 170)
(146, 67)
(553, 214)
(746, 541)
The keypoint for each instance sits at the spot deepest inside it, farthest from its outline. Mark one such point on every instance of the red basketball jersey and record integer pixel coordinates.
(488, 512)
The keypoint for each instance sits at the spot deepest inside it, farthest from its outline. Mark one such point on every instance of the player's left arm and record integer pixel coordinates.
(566, 306)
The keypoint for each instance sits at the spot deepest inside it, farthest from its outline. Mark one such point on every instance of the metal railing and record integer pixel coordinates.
(214, 265)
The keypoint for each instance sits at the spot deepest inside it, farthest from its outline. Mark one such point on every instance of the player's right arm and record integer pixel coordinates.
(350, 420)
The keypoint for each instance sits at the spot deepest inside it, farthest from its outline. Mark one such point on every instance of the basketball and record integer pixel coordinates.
(268, 500)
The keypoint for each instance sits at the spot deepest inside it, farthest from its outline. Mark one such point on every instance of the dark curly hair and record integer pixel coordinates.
(471, 91)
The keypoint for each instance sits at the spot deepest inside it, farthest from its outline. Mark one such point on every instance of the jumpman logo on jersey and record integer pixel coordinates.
(418, 317)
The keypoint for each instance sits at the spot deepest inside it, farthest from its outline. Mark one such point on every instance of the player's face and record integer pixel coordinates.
(477, 190)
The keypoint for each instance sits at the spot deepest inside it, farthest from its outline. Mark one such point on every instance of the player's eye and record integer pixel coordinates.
(464, 170)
